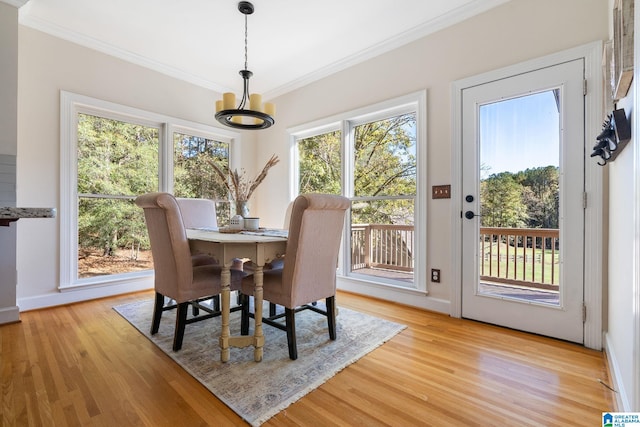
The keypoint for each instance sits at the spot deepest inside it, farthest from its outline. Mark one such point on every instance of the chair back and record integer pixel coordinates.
(169, 245)
(198, 213)
(315, 231)
(287, 216)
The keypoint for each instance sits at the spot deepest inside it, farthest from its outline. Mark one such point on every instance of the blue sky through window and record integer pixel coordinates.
(519, 133)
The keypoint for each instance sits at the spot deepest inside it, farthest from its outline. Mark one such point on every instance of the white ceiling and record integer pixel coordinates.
(291, 42)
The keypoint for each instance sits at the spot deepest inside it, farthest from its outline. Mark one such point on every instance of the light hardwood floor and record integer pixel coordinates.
(83, 364)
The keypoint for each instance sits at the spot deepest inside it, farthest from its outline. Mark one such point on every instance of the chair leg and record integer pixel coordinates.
(290, 322)
(272, 309)
(244, 316)
(195, 310)
(331, 316)
(157, 313)
(216, 303)
(181, 322)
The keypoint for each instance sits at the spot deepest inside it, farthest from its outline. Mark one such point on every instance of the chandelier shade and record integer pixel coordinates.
(250, 113)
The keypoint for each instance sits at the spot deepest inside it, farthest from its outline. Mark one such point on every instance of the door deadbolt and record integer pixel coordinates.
(469, 198)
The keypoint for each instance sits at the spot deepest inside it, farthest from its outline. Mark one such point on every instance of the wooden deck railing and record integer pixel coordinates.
(382, 246)
(520, 256)
(517, 256)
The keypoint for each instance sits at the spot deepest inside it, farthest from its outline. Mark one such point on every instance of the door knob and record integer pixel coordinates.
(469, 214)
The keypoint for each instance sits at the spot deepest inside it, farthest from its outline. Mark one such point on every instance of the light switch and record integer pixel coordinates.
(441, 192)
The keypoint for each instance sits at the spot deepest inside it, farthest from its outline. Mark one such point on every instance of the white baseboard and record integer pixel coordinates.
(9, 314)
(622, 399)
(83, 294)
(410, 297)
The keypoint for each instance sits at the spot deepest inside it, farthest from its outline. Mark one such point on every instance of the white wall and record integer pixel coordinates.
(621, 260)
(621, 335)
(506, 35)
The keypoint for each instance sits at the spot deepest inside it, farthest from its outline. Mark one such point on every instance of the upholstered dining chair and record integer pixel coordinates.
(175, 275)
(202, 213)
(279, 262)
(198, 213)
(309, 270)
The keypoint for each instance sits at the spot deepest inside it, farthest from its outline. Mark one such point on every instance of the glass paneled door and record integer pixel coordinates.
(523, 185)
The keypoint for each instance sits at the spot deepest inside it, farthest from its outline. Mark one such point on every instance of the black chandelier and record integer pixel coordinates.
(257, 116)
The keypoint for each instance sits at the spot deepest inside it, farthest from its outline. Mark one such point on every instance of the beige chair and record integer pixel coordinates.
(287, 216)
(175, 275)
(201, 213)
(279, 263)
(198, 213)
(309, 270)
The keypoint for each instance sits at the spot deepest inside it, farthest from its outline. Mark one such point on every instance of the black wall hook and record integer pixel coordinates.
(616, 132)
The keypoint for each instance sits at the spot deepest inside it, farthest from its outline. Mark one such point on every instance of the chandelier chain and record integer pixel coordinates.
(246, 37)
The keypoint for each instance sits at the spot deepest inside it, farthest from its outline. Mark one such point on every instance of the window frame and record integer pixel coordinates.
(72, 104)
(346, 123)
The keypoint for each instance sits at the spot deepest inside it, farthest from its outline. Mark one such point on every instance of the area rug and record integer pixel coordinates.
(258, 391)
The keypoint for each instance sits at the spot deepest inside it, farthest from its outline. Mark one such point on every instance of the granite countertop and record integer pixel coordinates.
(10, 214)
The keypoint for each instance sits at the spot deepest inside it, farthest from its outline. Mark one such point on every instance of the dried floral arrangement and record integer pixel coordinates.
(239, 187)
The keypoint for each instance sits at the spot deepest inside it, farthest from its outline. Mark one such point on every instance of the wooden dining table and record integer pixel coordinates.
(260, 247)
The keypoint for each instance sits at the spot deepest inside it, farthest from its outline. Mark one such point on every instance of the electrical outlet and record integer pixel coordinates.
(435, 275)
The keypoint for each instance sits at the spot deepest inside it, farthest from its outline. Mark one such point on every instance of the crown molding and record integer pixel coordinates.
(15, 3)
(451, 18)
(109, 49)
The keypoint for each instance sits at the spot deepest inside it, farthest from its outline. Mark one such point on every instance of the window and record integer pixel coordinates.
(116, 160)
(384, 190)
(320, 163)
(111, 154)
(372, 157)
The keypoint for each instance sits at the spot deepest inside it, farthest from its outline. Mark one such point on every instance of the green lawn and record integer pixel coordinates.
(519, 270)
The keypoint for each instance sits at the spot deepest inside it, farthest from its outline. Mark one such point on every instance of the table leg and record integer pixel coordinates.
(257, 298)
(226, 309)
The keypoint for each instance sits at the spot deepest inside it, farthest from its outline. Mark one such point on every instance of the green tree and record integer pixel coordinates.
(385, 165)
(542, 198)
(193, 176)
(320, 164)
(502, 204)
(116, 161)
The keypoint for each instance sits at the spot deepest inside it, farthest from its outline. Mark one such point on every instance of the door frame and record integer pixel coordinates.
(593, 238)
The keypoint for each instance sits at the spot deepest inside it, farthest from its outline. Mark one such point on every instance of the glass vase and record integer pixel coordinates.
(242, 208)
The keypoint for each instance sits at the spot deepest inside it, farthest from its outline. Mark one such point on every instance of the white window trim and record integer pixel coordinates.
(70, 105)
(345, 122)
